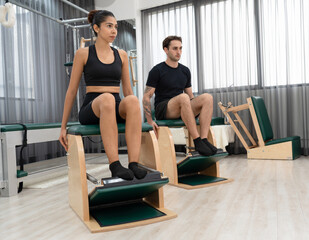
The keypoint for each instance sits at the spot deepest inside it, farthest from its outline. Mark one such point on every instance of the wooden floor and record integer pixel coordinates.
(268, 199)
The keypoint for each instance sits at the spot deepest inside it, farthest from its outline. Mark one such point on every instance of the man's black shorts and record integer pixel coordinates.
(160, 110)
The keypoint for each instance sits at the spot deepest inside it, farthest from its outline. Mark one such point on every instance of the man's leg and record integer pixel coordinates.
(180, 106)
(203, 105)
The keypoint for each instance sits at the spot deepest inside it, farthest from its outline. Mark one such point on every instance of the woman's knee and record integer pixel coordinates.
(105, 101)
(131, 101)
(129, 105)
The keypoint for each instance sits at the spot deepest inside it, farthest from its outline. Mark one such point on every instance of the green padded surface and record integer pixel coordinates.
(126, 213)
(199, 179)
(86, 130)
(68, 64)
(21, 174)
(124, 193)
(180, 123)
(199, 163)
(281, 140)
(33, 126)
(296, 147)
(262, 117)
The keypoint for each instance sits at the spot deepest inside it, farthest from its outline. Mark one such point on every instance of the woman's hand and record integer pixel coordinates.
(63, 139)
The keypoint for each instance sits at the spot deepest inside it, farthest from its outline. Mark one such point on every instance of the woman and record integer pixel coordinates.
(104, 67)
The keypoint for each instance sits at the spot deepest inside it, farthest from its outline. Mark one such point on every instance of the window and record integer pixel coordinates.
(284, 42)
(20, 55)
(173, 21)
(228, 44)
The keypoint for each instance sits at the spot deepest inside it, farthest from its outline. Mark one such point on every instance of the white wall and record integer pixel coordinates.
(128, 9)
(122, 9)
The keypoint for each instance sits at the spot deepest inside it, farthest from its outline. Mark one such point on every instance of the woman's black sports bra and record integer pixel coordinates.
(97, 73)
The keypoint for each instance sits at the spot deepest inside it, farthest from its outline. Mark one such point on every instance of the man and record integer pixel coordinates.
(171, 82)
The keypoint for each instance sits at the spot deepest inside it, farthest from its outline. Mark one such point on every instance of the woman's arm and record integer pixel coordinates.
(125, 77)
(77, 70)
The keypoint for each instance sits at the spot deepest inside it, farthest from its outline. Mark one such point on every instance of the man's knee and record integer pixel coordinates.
(207, 98)
(183, 98)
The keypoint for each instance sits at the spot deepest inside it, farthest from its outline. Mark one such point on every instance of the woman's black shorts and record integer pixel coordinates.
(86, 114)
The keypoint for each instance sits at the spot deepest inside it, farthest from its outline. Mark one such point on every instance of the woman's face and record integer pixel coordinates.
(108, 29)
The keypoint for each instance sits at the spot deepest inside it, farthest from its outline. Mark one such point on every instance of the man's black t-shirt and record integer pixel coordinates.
(168, 82)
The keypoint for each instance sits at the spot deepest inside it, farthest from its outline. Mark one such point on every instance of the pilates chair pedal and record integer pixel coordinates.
(115, 181)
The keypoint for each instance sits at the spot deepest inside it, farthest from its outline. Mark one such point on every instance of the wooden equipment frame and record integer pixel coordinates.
(259, 150)
(78, 189)
(169, 163)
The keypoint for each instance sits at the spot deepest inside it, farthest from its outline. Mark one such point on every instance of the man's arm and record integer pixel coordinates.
(189, 92)
(148, 93)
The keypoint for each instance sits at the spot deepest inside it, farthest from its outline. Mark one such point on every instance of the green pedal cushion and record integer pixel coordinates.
(199, 179)
(125, 213)
(106, 195)
(198, 163)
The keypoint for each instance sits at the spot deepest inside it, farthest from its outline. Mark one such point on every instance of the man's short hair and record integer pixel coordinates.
(167, 41)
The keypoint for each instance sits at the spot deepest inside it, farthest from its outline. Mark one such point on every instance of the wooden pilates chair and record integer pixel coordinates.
(115, 203)
(193, 170)
(288, 148)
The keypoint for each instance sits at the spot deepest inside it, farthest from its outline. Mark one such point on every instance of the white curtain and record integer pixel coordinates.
(240, 48)
(162, 22)
(33, 79)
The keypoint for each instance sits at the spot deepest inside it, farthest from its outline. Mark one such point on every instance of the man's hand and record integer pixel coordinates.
(63, 139)
(154, 127)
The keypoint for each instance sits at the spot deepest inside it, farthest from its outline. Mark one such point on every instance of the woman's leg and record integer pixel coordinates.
(129, 109)
(104, 108)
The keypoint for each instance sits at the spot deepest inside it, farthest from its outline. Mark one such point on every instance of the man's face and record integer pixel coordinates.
(174, 51)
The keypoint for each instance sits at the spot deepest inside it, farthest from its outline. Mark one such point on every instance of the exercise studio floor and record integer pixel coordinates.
(267, 200)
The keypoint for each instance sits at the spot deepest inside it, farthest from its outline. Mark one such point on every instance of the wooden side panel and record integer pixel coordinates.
(277, 151)
(167, 154)
(78, 191)
(149, 154)
(150, 157)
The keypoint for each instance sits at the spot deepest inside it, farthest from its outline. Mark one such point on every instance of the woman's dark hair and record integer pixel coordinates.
(167, 41)
(98, 16)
